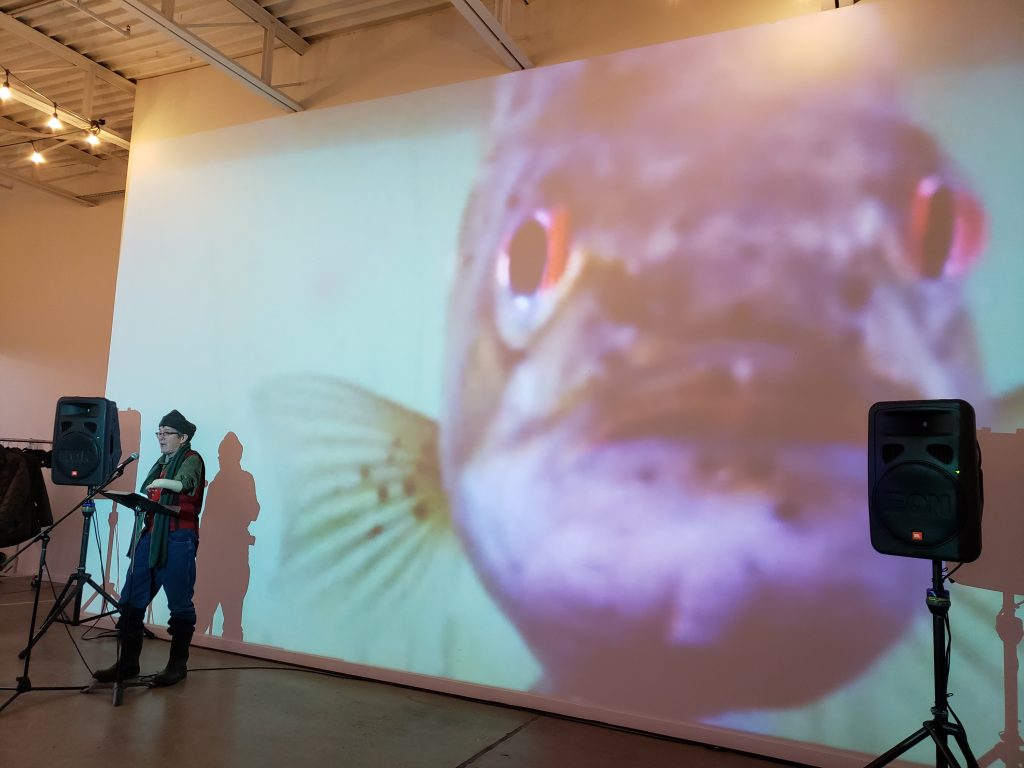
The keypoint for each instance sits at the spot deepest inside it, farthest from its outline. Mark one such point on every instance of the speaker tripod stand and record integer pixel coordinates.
(939, 728)
(72, 592)
(78, 579)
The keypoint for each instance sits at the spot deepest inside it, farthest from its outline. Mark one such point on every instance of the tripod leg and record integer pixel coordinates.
(911, 741)
(24, 683)
(72, 592)
(961, 739)
(938, 732)
(67, 594)
(107, 598)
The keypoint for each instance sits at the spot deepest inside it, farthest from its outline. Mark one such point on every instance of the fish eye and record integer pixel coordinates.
(526, 257)
(535, 255)
(531, 272)
(947, 229)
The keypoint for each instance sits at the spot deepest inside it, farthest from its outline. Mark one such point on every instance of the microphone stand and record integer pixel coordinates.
(24, 683)
(119, 684)
(141, 506)
(108, 585)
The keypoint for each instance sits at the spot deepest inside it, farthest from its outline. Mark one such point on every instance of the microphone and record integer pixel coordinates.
(116, 473)
(120, 467)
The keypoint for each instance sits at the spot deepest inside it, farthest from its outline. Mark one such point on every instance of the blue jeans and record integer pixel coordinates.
(177, 577)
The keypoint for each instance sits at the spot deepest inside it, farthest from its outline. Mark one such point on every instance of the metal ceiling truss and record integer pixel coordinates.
(491, 30)
(42, 185)
(28, 136)
(161, 19)
(59, 148)
(125, 18)
(49, 45)
(49, 108)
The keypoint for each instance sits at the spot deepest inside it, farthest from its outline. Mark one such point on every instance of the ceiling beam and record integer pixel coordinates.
(47, 188)
(77, 5)
(73, 154)
(203, 49)
(47, 108)
(11, 25)
(19, 130)
(490, 29)
(265, 19)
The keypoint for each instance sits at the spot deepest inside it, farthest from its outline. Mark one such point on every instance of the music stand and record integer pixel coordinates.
(140, 505)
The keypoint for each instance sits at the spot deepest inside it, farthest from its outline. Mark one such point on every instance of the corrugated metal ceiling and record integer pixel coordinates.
(83, 58)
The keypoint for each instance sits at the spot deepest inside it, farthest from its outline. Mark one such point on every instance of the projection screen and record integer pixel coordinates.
(557, 383)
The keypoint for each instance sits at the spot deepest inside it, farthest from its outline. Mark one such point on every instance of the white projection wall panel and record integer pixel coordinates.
(558, 382)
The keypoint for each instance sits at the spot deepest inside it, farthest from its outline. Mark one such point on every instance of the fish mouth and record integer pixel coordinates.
(738, 394)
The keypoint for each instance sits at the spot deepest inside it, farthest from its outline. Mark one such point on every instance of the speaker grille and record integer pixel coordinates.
(76, 456)
(890, 451)
(943, 453)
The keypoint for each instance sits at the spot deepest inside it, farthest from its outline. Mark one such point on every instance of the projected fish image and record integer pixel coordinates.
(681, 283)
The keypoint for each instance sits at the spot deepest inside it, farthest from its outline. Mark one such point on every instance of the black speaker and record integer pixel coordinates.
(924, 479)
(86, 441)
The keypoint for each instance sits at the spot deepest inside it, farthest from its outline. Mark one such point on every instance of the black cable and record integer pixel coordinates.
(949, 647)
(949, 576)
(955, 717)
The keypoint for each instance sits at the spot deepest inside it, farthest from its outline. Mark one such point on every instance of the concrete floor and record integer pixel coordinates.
(229, 713)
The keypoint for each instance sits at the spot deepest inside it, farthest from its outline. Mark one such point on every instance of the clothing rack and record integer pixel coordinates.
(37, 447)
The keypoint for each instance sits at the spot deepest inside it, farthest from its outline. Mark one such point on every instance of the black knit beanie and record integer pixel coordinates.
(177, 422)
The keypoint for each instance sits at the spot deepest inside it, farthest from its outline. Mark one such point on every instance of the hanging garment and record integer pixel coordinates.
(24, 503)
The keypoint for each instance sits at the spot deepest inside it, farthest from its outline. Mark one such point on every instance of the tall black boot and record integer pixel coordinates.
(177, 663)
(130, 627)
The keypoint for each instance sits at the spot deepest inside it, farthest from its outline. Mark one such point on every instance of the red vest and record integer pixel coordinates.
(191, 504)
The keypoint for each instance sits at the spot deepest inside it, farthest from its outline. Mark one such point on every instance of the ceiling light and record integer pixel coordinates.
(54, 122)
(35, 157)
(5, 89)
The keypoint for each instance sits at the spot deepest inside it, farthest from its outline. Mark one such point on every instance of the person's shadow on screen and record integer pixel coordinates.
(222, 563)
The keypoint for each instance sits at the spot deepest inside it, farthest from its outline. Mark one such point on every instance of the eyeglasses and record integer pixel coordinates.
(167, 434)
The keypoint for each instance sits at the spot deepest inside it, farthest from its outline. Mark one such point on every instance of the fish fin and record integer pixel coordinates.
(367, 514)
